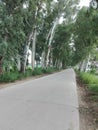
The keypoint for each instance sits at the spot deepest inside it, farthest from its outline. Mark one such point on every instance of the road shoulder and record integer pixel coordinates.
(87, 118)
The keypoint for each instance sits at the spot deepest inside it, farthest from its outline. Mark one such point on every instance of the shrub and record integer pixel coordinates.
(37, 71)
(93, 88)
(48, 70)
(9, 77)
(15, 75)
(28, 73)
(95, 97)
(93, 70)
(90, 80)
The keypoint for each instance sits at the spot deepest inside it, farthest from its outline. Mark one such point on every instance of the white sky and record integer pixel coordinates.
(84, 2)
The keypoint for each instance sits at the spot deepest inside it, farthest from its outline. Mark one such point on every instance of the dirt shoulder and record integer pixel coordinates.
(88, 109)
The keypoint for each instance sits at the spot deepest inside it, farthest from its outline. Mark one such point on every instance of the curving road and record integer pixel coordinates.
(47, 103)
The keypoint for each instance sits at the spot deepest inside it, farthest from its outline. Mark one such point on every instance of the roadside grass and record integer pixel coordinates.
(91, 81)
(9, 77)
(15, 75)
(37, 71)
(49, 70)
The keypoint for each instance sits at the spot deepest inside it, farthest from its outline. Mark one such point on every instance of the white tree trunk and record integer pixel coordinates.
(18, 64)
(63, 4)
(34, 35)
(28, 46)
(83, 66)
(25, 54)
(87, 64)
(33, 49)
(51, 36)
(80, 65)
(43, 60)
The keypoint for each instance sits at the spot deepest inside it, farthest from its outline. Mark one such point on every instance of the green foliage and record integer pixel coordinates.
(61, 48)
(28, 73)
(95, 98)
(93, 71)
(40, 71)
(90, 80)
(48, 70)
(37, 71)
(84, 33)
(9, 77)
(18, 19)
(15, 75)
(94, 88)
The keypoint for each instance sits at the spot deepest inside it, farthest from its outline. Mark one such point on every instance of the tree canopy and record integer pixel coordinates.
(34, 25)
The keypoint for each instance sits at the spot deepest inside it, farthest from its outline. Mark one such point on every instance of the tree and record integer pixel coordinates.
(63, 9)
(61, 46)
(85, 36)
(27, 24)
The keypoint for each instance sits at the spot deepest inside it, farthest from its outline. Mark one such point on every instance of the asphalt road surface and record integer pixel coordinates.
(47, 103)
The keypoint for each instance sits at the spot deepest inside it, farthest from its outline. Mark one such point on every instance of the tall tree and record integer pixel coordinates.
(85, 35)
(61, 46)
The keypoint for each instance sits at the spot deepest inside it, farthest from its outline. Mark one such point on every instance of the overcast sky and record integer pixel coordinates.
(84, 2)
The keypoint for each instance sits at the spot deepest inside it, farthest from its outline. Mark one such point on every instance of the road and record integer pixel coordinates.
(47, 103)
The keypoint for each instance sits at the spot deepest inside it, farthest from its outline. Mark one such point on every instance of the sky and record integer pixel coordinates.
(84, 2)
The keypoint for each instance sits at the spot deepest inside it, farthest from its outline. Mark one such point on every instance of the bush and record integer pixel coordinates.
(95, 98)
(28, 73)
(93, 88)
(93, 71)
(90, 80)
(37, 71)
(15, 75)
(48, 70)
(9, 77)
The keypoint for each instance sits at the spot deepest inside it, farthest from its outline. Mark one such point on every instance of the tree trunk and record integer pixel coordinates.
(51, 60)
(81, 66)
(1, 70)
(22, 65)
(32, 36)
(47, 58)
(27, 47)
(87, 65)
(43, 60)
(33, 49)
(24, 54)
(38, 7)
(51, 36)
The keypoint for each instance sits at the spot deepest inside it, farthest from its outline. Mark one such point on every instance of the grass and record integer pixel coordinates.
(15, 75)
(48, 70)
(37, 71)
(95, 98)
(88, 78)
(91, 81)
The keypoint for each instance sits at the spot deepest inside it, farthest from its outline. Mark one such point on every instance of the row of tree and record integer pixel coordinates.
(27, 24)
(85, 36)
(34, 25)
